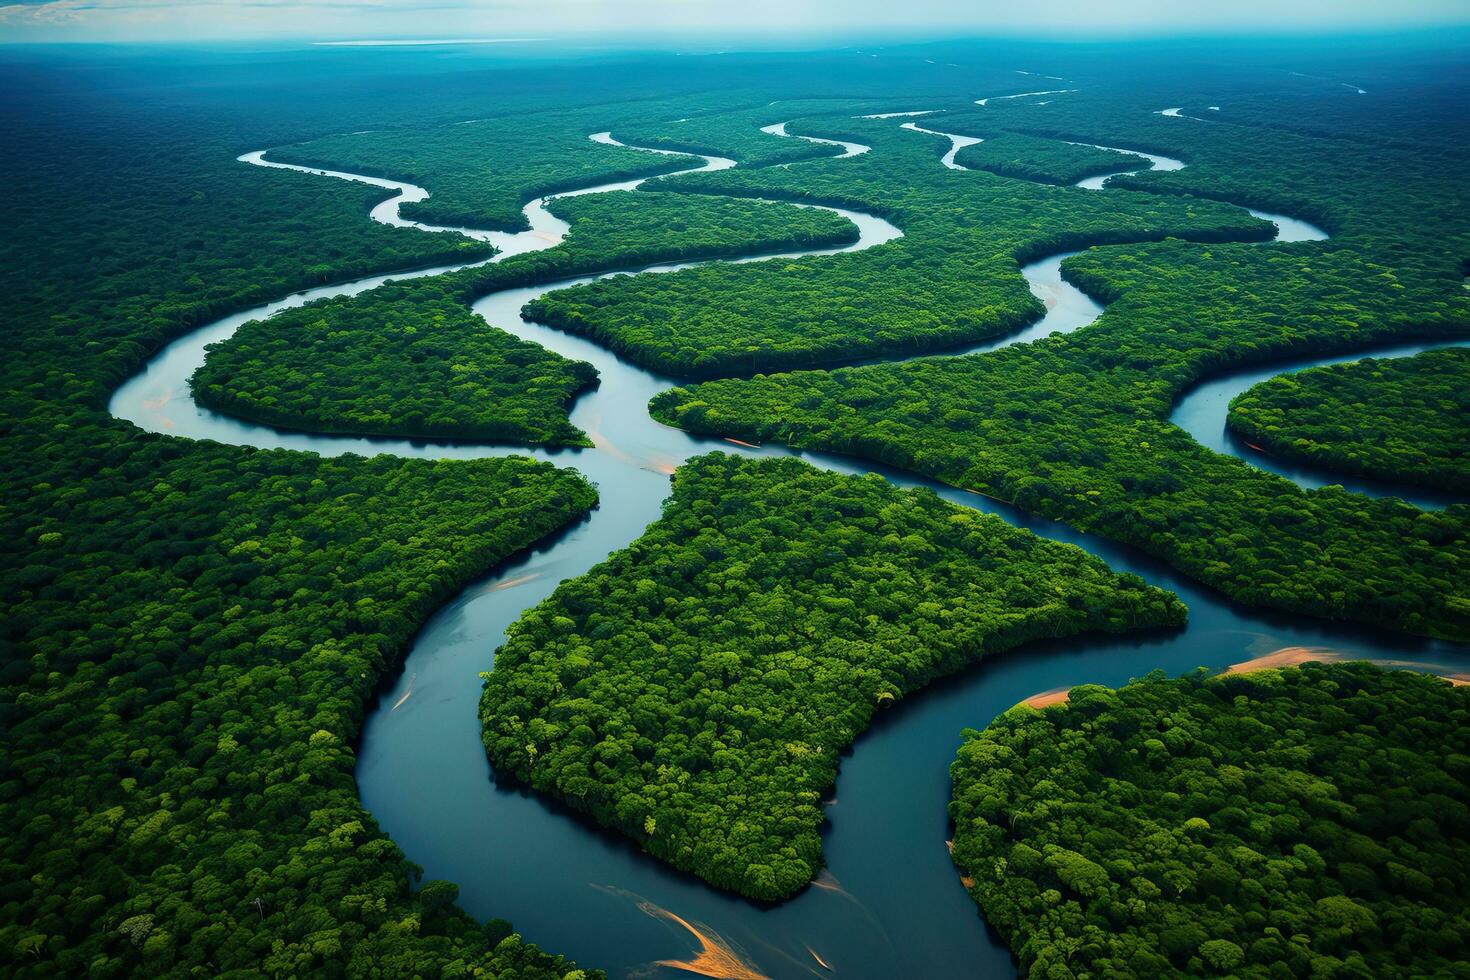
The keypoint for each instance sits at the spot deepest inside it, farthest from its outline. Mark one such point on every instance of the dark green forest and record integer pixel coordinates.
(412, 359)
(1045, 161)
(403, 359)
(1299, 822)
(481, 171)
(695, 690)
(202, 648)
(1076, 427)
(951, 280)
(1405, 419)
(191, 633)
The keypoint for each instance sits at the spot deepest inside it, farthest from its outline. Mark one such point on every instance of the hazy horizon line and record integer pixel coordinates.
(1444, 34)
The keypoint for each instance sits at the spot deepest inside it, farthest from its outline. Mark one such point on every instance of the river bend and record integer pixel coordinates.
(891, 903)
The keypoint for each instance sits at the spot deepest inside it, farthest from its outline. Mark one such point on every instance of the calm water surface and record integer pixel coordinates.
(890, 903)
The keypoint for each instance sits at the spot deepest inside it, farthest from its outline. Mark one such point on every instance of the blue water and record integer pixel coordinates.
(890, 903)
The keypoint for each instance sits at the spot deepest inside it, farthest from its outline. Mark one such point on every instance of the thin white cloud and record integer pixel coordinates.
(410, 19)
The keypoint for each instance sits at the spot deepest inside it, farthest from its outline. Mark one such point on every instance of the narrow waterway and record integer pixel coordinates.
(1203, 409)
(891, 903)
(848, 149)
(956, 144)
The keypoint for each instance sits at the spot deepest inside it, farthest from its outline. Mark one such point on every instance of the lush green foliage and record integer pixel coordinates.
(1301, 822)
(406, 359)
(952, 278)
(1076, 426)
(480, 172)
(1045, 161)
(215, 237)
(412, 359)
(695, 690)
(733, 134)
(192, 633)
(1403, 419)
(203, 634)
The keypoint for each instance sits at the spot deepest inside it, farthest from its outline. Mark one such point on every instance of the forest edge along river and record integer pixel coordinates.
(890, 902)
(1202, 410)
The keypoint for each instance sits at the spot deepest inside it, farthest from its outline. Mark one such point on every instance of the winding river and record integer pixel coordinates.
(891, 903)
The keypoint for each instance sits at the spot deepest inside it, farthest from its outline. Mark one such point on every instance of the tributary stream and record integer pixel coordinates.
(890, 903)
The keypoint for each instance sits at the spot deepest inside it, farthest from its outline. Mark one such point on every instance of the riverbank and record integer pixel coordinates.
(422, 770)
(1285, 657)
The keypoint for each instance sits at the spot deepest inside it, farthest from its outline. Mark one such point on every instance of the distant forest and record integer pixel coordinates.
(194, 632)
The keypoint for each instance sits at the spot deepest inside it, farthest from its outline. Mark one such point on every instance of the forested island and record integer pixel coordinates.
(1046, 161)
(1076, 427)
(1285, 822)
(696, 690)
(951, 280)
(1404, 419)
(193, 632)
(413, 359)
(253, 663)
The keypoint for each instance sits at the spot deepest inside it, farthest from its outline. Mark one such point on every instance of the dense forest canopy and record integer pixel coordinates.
(193, 632)
(1405, 419)
(201, 649)
(412, 359)
(1076, 427)
(951, 279)
(1309, 821)
(695, 690)
(1012, 154)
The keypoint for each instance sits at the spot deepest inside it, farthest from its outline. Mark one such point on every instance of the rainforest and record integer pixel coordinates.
(571, 509)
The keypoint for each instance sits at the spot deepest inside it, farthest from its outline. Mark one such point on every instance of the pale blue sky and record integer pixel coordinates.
(116, 20)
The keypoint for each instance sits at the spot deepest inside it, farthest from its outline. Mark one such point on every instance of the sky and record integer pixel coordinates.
(532, 21)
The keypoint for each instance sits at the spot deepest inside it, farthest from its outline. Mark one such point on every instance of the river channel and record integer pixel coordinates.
(890, 903)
